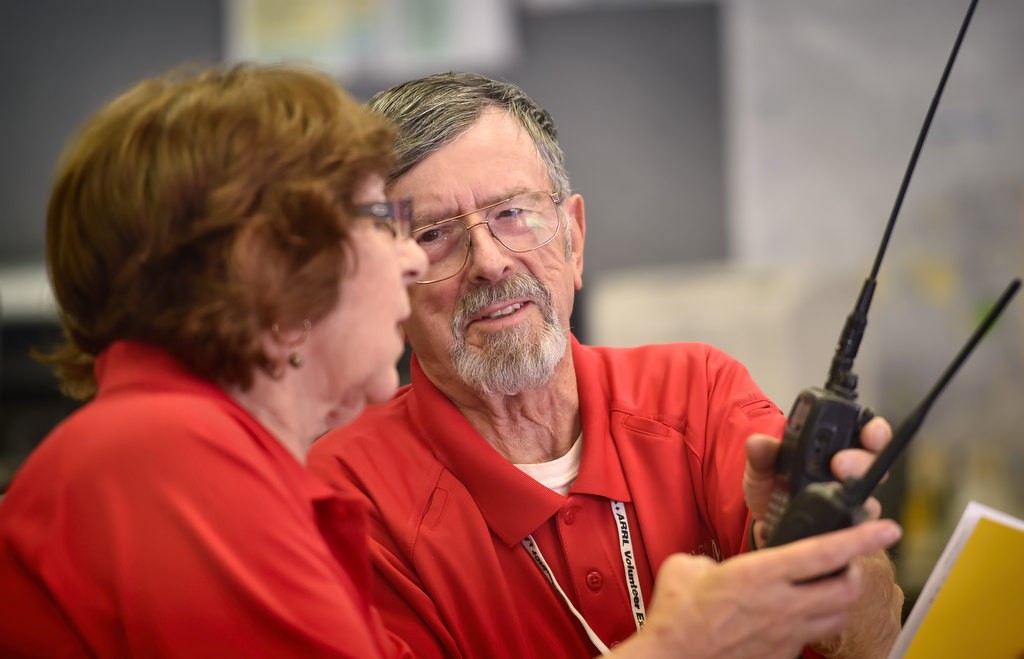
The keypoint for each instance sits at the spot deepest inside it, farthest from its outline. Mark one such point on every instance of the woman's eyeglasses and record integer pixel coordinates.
(394, 216)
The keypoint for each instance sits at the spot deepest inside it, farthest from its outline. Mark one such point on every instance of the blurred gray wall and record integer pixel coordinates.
(60, 60)
(635, 93)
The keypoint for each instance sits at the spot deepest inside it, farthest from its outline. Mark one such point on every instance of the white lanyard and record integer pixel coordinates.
(628, 565)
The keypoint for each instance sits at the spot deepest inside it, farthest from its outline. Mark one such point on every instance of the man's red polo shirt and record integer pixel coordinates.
(663, 431)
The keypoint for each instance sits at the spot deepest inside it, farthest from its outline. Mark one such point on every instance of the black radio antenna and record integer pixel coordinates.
(841, 379)
(856, 491)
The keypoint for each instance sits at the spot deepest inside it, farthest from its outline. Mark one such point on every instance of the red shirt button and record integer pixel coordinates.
(594, 580)
(569, 516)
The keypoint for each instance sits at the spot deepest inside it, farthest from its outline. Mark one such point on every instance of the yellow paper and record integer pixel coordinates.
(973, 605)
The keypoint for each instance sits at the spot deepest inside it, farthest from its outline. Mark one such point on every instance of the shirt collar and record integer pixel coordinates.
(600, 467)
(512, 503)
(134, 366)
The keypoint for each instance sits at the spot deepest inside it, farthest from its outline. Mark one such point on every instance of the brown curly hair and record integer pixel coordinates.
(197, 210)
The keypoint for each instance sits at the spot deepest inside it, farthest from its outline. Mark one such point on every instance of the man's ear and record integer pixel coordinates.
(576, 218)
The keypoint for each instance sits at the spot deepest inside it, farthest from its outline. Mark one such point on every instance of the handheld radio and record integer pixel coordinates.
(821, 507)
(826, 420)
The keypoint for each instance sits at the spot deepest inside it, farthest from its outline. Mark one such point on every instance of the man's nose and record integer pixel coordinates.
(489, 260)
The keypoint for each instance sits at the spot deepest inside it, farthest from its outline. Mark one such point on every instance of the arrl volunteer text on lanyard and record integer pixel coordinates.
(636, 596)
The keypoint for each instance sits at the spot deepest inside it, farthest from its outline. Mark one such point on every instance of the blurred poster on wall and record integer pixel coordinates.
(373, 39)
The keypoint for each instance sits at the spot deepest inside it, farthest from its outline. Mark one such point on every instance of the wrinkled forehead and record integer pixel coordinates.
(420, 135)
(493, 159)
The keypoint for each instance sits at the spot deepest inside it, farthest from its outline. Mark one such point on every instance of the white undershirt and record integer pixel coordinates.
(560, 473)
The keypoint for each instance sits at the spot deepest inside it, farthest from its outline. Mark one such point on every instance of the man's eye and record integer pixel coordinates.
(440, 233)
(428, 236)
(510, 214)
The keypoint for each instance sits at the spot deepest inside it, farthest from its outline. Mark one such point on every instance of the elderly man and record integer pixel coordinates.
(526, 490)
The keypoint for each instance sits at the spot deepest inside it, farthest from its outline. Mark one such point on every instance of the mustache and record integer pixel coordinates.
(519, 285)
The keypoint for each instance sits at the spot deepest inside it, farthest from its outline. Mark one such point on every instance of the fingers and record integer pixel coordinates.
(873, 508)
(827, 626)
(852, 463)
(813, 557)
(758, 605)
(825, 605)
(761, 452)
(737, 609)
(759, 474)
(875, 434)
(686, 566)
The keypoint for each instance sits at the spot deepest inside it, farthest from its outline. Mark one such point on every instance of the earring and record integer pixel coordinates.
(295, 359)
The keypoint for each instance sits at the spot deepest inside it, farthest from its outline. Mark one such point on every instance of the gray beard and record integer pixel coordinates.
(515, 359)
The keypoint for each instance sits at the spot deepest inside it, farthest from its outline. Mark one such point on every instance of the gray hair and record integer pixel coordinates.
(433, 111)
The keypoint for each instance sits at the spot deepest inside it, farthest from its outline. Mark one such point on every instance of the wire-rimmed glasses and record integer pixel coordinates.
(521, 223)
